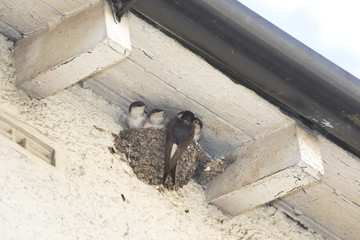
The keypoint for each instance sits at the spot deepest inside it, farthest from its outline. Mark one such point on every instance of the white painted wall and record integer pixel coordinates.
(68, 200)
(80, 198)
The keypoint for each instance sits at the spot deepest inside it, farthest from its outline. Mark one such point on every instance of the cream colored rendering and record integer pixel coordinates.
(277, 159)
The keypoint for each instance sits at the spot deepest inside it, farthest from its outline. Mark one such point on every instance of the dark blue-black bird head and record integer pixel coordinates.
(136, 104)
(187, 116)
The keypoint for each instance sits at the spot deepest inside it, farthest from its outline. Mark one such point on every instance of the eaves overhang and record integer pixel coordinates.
(257, 54)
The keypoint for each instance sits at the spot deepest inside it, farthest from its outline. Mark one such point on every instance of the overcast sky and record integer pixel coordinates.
(330, 27)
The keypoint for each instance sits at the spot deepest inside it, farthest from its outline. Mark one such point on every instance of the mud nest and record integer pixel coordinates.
(144, 149)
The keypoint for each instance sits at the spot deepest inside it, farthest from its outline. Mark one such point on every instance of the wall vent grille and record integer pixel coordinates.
(26, 140)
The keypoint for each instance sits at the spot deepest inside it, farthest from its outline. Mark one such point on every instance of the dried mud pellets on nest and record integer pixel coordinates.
(211, 168)
(144, 149)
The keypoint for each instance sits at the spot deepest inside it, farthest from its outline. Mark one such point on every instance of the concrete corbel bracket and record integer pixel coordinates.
(79, 46)
(266, 169)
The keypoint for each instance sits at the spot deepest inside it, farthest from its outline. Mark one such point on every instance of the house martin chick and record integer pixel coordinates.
(198, 127)
(155, 119)
(136, 116)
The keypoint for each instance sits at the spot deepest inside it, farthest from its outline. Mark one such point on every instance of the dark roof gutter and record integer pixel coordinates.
(257, 54)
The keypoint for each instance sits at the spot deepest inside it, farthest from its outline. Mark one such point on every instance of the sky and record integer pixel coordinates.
(330, 27)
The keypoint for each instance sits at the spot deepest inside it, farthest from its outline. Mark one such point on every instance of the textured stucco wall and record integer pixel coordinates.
(80, 198)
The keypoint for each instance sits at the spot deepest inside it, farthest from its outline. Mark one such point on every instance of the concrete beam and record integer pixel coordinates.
(186, 72)
(66, 7)
(9, 31)
(335, 203)
(266, 169)
(60, 56)
(305, 220)
(27, 16)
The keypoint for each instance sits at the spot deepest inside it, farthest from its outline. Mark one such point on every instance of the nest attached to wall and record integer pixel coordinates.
(144, 149)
